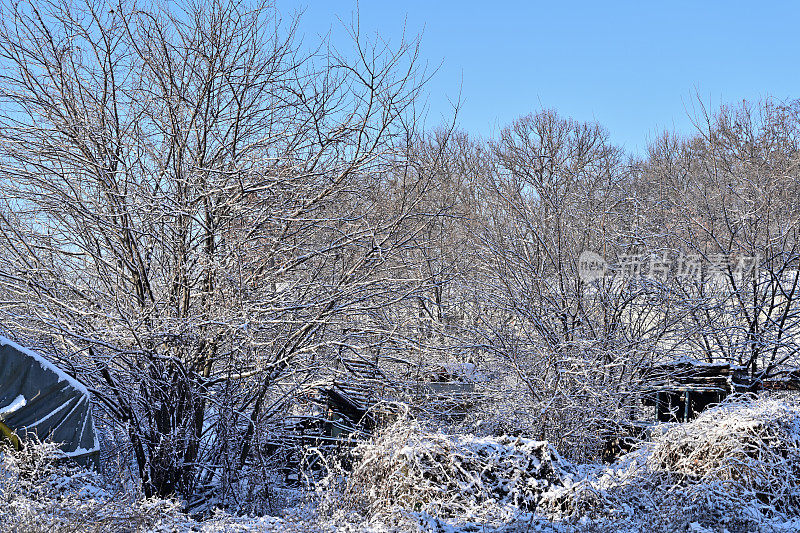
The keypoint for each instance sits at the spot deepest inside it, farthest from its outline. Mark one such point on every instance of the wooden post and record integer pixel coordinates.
(686, 406)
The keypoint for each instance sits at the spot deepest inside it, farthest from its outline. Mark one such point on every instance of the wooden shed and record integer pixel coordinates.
(682, 389)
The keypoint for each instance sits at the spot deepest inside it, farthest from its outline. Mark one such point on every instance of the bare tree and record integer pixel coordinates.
(728, 197)
(190, 209)
(573, 349)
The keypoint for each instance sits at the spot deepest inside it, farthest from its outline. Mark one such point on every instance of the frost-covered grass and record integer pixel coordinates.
(408, 469)
(40, 492)
(749, 449)
(736, 468)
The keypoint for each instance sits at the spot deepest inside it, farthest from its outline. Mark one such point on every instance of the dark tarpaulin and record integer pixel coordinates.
(36, 397)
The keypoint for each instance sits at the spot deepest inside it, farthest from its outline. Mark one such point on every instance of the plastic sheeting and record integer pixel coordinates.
(37, 398)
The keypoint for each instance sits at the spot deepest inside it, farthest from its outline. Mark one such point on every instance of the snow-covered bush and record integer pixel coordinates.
(746, 447)
(733, 468)
(41, 492)
(572, 406)
(409, 469)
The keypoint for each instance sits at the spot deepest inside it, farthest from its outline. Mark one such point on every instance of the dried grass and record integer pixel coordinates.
(409, 469)
(748, 447)
(735, 468)
(42, 493)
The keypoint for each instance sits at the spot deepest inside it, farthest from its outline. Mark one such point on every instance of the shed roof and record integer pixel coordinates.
(37, 398)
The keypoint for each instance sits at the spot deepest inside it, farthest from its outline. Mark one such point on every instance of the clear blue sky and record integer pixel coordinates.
(632, 66)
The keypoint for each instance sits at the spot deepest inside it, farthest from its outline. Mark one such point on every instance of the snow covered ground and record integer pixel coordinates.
(735, 468)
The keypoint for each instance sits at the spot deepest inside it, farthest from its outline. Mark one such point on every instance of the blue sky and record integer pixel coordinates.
(634, 67)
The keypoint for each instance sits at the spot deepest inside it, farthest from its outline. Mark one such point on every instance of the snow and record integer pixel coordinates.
(41, 493)
(733, 468)
(80, 451)
(48, 415)
(16, 404)
(711, 474)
